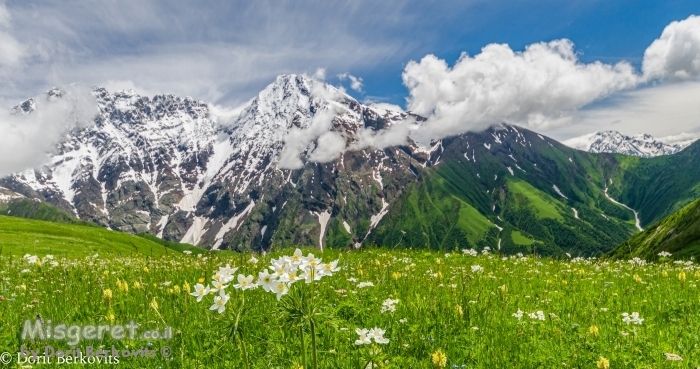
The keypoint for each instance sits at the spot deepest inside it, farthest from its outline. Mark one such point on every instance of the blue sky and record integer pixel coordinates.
(226, 51)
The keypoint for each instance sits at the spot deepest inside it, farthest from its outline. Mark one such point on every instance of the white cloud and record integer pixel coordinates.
(676, 54)
(11, 51)
(355, 82)
(538, 88)
(659, 110)
(545, 87)
(27, 138)
(385, 106)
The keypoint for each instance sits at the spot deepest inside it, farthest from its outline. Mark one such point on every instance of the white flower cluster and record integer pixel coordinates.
(632, 318)
(365, 284)
(470, 252)
(477, 268)
(33, 259)
(389, 305)
(538, 315)
(637, 261)
(285, 271)
(366, 336)
(664, 254)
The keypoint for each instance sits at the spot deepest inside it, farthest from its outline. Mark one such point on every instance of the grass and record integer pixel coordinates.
(521, 239)
(543, 203)
(461, 305)
(19, 236)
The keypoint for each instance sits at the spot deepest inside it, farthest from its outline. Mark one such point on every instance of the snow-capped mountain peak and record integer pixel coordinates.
(643, 145)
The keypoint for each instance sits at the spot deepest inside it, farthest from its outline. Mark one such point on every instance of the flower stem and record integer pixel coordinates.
(303, 350)
(313, 344)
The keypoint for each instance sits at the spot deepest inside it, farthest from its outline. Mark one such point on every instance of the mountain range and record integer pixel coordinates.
(641, 144)
(167, 166)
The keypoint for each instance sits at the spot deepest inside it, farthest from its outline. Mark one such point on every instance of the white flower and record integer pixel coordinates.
(253, 260)
(187, 252)
(352, 280)
(365, 284)
(518, 314)
(220, 302)
(218, 286)
(245, 283)
(280, 289)
(664, 254)
(310, 274)
(470, 252)
(389, 305)
(265, 280)
(632, 318)
(673, 357)
(402, 321)
(477, 268)
(378, 335)
(200, 291)
(364, 338)
(327, 269)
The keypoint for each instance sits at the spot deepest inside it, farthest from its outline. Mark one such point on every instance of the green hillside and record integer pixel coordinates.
(19, 236)
(520, 193)
(678, 234)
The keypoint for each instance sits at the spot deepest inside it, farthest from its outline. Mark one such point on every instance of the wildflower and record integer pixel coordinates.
(603, 363)
(154, 304)
(458, 310)
(681, 276)
(110, 317)
(245, 283)
(389, 305)
(265, 280)
(637, 278)
(470, 252)
(107, 294)
(280, 288)
(137, 285)
(200, 291)
(439, 359)
(518, 314)
(220, 302)
(378, 335)
(539, 315)
(364, 338)
(477, 268)
(396, 275)
(673, 357)
(365, 284)
(403, 320)
(218, 286)
(145, 270)
(176, 289)
(187, 252)
(633, 318)
(186, 287)
(122, 286)
(593, 330)
(664, 254)
(503, 288)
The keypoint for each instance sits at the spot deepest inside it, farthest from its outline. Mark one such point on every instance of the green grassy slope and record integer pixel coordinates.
(19, 236)
(678, 234)
(39, 210)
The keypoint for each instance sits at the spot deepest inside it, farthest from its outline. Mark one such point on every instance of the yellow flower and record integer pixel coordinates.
(377, 263)
(145, 269)
(154, 304)
(107, 294)
(439, 359)
(603, 363)
(200, 280)
(137, 285)
(396, 275)
(664, 274)
(438, 261)
(176, 289)
(504, 288)
(439, 275)
(186, 287)
(681, 276)
(106, 273)
(564, 282)
(637, 278)
(122, 286)
(360, 272)
(458, 310)
(110, 317)
(593, 330)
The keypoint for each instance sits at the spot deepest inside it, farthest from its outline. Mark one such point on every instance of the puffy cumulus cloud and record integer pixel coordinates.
(298, 140)
(355, 82)
(11, 50)
(676, 54)
(27, 138)
(539, 87)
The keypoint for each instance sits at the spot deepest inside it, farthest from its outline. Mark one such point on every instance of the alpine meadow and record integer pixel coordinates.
(360, 185)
